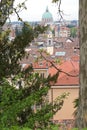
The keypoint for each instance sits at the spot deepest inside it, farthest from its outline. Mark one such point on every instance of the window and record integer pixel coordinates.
(49, 42)
(42, 75)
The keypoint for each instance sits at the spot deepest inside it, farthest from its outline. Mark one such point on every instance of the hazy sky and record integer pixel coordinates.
(35, 9)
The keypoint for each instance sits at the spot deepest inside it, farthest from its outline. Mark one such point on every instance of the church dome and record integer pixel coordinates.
(47, 16)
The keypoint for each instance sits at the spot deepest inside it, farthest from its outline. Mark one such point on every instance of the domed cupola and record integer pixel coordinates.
(47, 17)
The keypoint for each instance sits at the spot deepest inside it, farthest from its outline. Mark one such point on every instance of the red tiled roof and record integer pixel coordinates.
(69, 67)
(64, 28)
(75, 58)
(41, 65)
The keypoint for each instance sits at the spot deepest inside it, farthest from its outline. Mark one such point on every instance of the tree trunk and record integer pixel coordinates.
(82, 109)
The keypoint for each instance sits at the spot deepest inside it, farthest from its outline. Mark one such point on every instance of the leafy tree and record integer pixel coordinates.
(17, 31)
(28, 106)
(22, 91)
(73, 32)
(6, 8)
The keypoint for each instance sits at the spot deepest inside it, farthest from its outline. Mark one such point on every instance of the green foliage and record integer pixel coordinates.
(23, 93)
(6, 7)
(39, 29)
(19, 106)
(14, 128)
(12, 51)
(73, 32)
(76, 104)
(53, 127)
(58, 61)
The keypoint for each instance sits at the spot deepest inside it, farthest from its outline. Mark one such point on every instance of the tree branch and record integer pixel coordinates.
(59, 70)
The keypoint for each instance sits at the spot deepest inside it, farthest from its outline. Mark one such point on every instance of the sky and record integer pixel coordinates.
(35, 9)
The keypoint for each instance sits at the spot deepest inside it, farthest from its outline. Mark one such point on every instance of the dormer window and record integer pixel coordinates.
(40, 64)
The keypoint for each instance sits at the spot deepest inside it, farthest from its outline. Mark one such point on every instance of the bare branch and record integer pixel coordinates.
(60, 12)
(59, 70)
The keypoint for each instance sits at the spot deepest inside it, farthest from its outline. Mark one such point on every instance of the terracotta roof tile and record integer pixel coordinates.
(69, 67)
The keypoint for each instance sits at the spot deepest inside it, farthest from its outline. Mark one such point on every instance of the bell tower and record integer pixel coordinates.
(50, 43)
